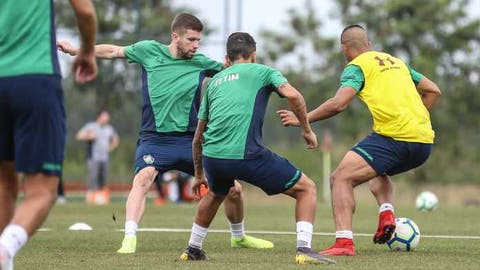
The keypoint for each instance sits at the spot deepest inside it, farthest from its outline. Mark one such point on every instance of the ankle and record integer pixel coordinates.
(343, 242)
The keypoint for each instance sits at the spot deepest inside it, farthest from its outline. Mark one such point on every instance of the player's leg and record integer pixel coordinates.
(8, 192)
(61, 192)
(304, 192)
(92, 184)
(206, 211)
(274, 175)
(135, 207)
(39, 148)
(8, 177)
(233, 205)
(352, 171)
(103, 172)
(382, 188)
(40, 195)
(393, 157)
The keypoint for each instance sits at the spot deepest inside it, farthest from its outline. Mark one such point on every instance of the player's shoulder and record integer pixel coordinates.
(149, 44)
(200, 57)
(257, 68)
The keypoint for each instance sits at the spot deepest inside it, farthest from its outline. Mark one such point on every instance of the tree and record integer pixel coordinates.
(437, 38)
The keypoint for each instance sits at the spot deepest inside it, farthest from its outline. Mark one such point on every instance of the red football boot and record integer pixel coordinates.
(342, 247)
(386, 227)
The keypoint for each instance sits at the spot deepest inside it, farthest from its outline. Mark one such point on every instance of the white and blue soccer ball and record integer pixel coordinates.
(426, 201)
(406, 236)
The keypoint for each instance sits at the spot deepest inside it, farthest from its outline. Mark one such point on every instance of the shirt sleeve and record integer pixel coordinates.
(138, 52)
(352, 76)
(276, 79)
(209, 64)
(416, 76)
(87, 126)
(203, 111)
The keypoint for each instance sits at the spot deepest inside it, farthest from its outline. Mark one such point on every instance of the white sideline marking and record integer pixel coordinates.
(174, 230)
(291, 232)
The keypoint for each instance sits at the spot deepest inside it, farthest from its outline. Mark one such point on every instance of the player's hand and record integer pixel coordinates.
(288, 118)
(91, 135)
(85, 67)
(66, 47)
(310, 139)
(197, 187)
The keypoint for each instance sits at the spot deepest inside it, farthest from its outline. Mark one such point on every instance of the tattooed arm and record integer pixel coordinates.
(197, 158)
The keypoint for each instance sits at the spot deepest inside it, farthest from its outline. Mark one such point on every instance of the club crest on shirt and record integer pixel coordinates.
(148, 159)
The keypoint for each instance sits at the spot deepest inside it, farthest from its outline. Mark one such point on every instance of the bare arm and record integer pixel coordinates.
(84, 65)
(86, 135)
(197, 158)
(429, 92)
(86, 22)
(334, 105)
(105, 51)
(297, 105)
(114, 143)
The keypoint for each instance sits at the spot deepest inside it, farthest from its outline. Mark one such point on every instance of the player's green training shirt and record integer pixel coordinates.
(27, 38)
(234, 105)
(171, 86)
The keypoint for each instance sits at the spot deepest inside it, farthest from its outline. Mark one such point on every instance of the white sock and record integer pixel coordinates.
(304, 234)
(197, 236)
(344, 234)
(13, 238)
(131, 228)
(237, 229)
(386, 207)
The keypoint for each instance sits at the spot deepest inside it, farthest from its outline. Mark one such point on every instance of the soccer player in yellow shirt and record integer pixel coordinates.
(399, 99)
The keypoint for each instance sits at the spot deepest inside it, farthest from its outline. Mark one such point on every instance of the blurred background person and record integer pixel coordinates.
(102, 139)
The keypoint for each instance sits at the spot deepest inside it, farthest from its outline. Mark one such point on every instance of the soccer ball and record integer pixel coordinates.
(406, 236)
(426, 201)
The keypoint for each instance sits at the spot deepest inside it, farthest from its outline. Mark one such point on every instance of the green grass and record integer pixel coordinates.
(63, 249)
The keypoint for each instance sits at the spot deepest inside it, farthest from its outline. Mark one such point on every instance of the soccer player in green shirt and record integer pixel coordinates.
(172, 76)
(228, 146)
(32, 116)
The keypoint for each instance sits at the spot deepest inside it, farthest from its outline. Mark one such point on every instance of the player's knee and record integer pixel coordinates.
(334, 178)
(44, 194)
(144, 179)
(311, 187)
(235, 192)
(306, 186)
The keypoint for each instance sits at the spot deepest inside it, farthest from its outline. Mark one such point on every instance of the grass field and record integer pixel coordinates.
(63, 249)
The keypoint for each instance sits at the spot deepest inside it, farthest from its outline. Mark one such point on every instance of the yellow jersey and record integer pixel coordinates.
(392, 98)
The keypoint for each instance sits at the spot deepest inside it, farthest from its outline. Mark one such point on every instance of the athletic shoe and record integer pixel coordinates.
(193, 254)
(250, 242)
(159, 201)
(342, 247)
(6, 261)
(386, 227)
(309, 256)
(129, 244)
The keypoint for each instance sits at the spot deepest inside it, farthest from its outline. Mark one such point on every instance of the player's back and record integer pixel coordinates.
(27, 38)
(392, 98)
(234, 105)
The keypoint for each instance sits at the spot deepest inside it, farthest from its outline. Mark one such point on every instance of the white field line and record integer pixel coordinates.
(175, 230)
(292, 232)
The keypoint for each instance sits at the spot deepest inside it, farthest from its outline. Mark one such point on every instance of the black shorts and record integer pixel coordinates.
(388, 156)
(268, 171)
(165, 153)
(32, 123)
